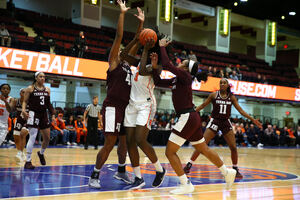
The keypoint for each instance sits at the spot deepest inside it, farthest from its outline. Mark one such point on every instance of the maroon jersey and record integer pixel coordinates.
(221, 107)
(181, 85)
(39, 100)
(118, 84)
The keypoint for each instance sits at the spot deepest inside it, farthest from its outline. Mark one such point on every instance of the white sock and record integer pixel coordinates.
(96, 170)
(223, 170)
(122, 165)
(42, 151)
(234, 165)
(19, 152)
(192, 162)
(30, 143)
(183, 179)
(137, 172)
(158, 166)
(28, 157)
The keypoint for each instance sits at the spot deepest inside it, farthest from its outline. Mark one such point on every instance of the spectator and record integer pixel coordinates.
(226, 75)
(10, 6)
(221, 74)
(228, 69)
(192, 56)
(62, 129)
(268, 134)
(177, 58)
(297, 135)
(154, 124)
(234, 76)
(239, 137)
(252, 135)
(170, 124)
(70, 126)
(80, 45)
(81, 130)
(38, 40)
(4, 36)
(264, 80)
(259, 79)
(183, 55)
(210, 72)
(291, 139)
(215, 72)
(53, 133)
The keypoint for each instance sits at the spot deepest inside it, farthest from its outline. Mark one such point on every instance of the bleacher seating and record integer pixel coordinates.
(63, 32)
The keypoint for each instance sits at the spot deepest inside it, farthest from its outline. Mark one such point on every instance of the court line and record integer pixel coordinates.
(57, 188)
(161, 195)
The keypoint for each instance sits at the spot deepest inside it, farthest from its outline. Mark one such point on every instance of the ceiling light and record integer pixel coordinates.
(282, 17)
(244, 0)
(292, 13)
(235, 3)
(111, 1)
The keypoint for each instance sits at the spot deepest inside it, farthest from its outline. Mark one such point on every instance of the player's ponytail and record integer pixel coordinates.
(193, 69)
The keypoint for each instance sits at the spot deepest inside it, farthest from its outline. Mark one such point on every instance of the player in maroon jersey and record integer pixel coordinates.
(113, 109)
(20, 127)
(222, 101)
(37, 96)
(188, 126)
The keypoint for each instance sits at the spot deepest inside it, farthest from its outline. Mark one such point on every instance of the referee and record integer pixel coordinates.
(93, 113)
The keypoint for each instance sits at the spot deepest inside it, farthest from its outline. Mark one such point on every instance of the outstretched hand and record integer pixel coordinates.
(149, 43)
(154, 60)
(140, 15)
(257, 123)
(164, 42)
(123, 6)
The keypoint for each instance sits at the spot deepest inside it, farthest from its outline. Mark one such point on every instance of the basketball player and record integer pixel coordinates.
(138, 118)
(37, 97)
(20, 129)
(113, 109)
(188, 126)
(222, 101)
(6, 104)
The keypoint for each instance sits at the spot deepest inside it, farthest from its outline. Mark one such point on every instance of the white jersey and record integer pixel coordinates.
(142, 88)
(4, 114)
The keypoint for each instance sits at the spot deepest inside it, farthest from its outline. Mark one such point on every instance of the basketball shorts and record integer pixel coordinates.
(113, 117)
(188, 127)
(38, 120)
(20, 124)
(139, 114)
(219, 125)
(3, 132)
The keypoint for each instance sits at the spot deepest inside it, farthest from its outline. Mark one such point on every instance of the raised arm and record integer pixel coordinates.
(113, 58)
(206, 102)
(129, 52)
(166, 63)
(238, 107)
(143, 70)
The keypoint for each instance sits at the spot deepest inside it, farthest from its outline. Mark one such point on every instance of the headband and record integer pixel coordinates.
(191, 64)
(36, 74)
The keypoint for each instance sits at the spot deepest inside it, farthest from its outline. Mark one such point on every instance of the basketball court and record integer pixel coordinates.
(268, 174)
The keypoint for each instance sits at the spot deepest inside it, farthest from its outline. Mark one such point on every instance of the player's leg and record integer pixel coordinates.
(32, 136)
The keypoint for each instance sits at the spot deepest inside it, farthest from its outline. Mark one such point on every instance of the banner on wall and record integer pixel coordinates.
(70, 66)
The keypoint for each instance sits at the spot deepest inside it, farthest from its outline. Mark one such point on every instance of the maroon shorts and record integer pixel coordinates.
(20, 123)
(219, 125)
(189, 127)
(113, 118)
(38, 120)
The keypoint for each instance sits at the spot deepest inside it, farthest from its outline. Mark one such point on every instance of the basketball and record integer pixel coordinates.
(147, 34)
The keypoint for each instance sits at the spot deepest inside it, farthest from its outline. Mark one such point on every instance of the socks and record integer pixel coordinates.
(158, 166)
(192, 162)
(121, 168)
(42, 151)
(223, 170)
(234, 166)
(183, 179)
(96, 170)
(28, 157)
(137, 171)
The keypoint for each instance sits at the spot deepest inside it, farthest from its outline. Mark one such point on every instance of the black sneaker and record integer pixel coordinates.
(138, 183)
(42, 158)
(238, 174)
(159, 178)
(187, 168)
(28, 165)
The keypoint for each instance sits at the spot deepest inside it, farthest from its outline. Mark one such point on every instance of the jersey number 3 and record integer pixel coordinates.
(223, 109)
(42, 102)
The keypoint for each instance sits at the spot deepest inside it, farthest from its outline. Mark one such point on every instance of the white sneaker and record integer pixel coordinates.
(230, 177)
(184, 189)
(260, 145)
(74, 143)
(68, 143)
(11, 142)
(19, 157)
(94, 183)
